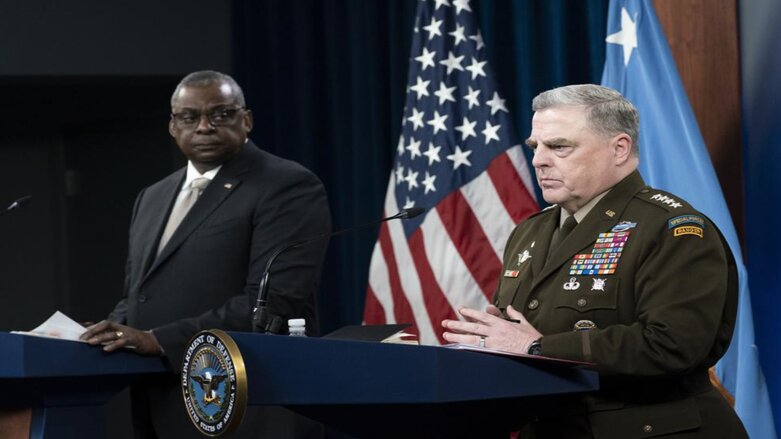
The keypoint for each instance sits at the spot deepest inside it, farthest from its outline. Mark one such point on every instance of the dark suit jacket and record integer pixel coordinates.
(653, 323)
(207, 275)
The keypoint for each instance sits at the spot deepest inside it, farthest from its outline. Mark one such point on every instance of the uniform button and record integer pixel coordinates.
(533, 304)
(647, 428)
(645, 191)
(142, 298)
(582, 302)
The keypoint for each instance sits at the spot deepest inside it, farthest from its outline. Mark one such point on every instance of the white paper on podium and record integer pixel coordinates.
(57, 326)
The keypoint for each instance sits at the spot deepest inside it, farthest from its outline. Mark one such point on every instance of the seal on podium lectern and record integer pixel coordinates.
(214, 383)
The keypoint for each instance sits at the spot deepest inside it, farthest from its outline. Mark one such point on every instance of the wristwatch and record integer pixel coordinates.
(535, 348)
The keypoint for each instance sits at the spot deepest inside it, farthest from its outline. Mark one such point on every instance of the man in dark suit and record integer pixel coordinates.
(198, 243)
(616, 273)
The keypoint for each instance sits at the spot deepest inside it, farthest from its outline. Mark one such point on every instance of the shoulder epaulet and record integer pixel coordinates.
(664, 200)
(543, 211)
(680, 216)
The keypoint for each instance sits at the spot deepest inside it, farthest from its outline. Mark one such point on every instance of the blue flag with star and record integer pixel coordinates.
(673, 157)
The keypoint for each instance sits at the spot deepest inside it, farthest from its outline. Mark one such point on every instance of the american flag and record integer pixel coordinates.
(458, 158)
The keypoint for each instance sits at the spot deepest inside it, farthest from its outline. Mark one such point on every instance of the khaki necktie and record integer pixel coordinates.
(181, 208)
(561, 233)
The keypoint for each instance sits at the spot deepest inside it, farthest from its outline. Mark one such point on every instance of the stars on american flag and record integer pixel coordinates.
(476, 68)
(412, 179)
(458, 34)
(399, 174)
(478, 39)
(452, 62)
(426, 59)
(433, 28)
(444, 93)
(467, 129)
(457, 158)
(439, 3)
(432, 153)
(428, 183)
(471, 97)
(490, 132)
(461, 5)
(496, 103)
(420, 88)
(416, 119)
(414, 148)
(453, 120)
(438, 122)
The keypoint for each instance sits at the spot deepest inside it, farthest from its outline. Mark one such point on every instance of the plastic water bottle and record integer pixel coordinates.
(297, 327)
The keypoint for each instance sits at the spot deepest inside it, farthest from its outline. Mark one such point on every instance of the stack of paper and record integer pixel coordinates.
(57, 326)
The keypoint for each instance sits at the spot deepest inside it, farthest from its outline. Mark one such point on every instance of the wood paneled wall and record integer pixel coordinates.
(703, 36)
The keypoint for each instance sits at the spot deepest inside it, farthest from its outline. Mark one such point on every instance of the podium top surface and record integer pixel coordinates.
(303, 371)
(25, 356)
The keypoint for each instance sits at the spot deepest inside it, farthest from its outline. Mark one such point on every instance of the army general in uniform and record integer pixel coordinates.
(616, 273)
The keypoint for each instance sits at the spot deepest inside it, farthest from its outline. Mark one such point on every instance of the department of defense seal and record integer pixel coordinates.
(214, 383)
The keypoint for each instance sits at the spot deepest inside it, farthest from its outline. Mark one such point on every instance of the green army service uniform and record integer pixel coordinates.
(646, 288)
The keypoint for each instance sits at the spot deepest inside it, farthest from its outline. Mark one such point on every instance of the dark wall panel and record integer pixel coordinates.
(703, 37)
(83, 148)
(32, 270)
(117, 37)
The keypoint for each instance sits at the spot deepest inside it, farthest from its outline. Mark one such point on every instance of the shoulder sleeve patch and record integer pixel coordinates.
(688, 230)
(686, 219)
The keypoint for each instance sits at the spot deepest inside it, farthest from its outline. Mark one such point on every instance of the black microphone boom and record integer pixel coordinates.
(412, 212)
(18, 204)
(262, 320)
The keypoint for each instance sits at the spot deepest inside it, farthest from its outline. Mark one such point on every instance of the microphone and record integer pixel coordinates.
(262, 320)
(18, 204)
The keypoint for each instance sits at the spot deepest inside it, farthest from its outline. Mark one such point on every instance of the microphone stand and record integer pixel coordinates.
(265, 322)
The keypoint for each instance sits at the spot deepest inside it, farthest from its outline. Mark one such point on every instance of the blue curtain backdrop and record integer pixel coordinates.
(760, 44)
(326, 78)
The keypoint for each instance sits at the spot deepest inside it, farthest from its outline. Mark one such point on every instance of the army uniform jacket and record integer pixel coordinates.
(646, 288)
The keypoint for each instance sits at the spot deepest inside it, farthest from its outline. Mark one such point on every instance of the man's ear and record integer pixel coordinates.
(623, 148)
(248, 120)
(171, 130)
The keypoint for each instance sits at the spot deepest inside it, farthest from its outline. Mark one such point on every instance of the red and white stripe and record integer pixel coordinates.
(455, 258)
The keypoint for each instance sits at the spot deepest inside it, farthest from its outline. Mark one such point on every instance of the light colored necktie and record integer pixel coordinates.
(181, 208)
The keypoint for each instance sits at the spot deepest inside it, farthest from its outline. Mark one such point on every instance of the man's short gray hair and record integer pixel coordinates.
(204, 78)
(607, 110)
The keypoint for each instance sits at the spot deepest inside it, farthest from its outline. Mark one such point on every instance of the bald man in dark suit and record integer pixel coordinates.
(203, 272)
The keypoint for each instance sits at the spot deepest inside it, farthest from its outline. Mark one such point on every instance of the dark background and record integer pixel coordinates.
(85, 89)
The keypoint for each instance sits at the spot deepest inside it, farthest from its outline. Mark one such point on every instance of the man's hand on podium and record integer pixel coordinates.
(490, 330)
(113, 336)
